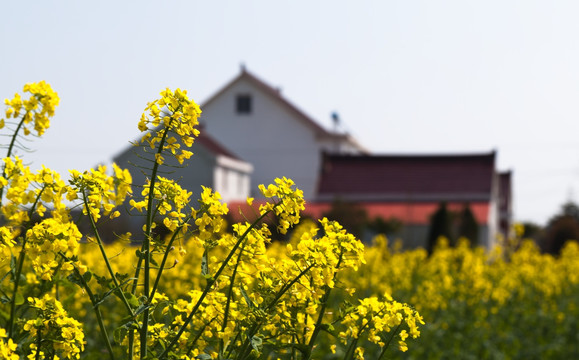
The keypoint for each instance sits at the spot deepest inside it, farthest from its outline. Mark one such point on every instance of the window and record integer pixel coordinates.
(243, 104)
(225, 180)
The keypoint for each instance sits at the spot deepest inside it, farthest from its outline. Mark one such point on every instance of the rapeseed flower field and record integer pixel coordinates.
(200, 291)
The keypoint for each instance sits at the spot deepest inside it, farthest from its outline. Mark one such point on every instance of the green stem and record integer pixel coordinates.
(147, 244)
(149, 222)
(145, 254)
(230, 292)
(388, 343)
(96, 308)
(38, 342)
(287, 287)
(199, 333)
(131, 335)
(15, 291)
(324, 301)
(131, 350)
(351, 349)
(210, 284)
(105, 257)
(232, 343)
(20, 264)
(246, 346)
(164, 261)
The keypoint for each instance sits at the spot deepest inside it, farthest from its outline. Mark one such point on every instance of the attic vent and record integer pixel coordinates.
(243, 104)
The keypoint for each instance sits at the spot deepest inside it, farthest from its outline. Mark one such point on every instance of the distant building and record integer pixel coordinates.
(251, 134)
(411, 188)
(253, 119)
(212, 165)
(505, 202)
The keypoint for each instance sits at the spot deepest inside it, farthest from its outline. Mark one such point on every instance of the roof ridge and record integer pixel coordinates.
(273, 92)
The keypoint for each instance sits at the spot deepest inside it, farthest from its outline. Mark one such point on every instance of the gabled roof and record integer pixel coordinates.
(275, 94)
(211, 145)
(417, 213)
(466, 177)
(204, 139)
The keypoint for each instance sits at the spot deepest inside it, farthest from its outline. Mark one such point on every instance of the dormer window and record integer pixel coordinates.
(243, 104)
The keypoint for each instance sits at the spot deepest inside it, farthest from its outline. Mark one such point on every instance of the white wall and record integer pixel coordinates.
(232, 179)
(271, 138)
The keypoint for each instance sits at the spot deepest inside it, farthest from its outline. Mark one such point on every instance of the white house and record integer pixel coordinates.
(212, 165)
(251, 134)
(254, 120)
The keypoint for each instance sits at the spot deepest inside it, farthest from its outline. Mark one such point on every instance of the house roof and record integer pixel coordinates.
(417, 213)
(204, 139)
(213, 146)
(464, 177)
(275, 94)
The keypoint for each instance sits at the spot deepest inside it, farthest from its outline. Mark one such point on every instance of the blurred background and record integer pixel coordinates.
(404, 76)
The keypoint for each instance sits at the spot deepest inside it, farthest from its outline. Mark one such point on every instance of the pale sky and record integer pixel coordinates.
(405, 76)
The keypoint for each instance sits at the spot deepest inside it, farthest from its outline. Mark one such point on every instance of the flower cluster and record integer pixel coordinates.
(381, 320)
(7, 242)
(290, 202)
(25, 188)
(17, 181)
(335, 250)
(52, 245)
(230, 295)
(100, 191)
(170, 201)
(178, 115)
(7, 348)
(210, 215)
(53, 332)
(38, 108)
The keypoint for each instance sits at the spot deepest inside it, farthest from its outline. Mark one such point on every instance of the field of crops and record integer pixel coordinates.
(476, 305)
(200, 291)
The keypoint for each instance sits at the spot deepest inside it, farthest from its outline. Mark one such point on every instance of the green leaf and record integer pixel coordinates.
(119, 334)
(329, 329)
(204, 357)
(153, 262)
(19, 299)
(75, 278)
(102, 281)
(204, 264)
(247, 299)
(13, 262)
(131, 299)
(141, 309)
(159, 309)
(87, 276)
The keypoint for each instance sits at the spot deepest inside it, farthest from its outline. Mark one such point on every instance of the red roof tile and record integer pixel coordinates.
(407, 177)
(213, 146)
(417, 213)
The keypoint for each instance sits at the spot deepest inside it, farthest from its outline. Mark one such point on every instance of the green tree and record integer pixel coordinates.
(350, 215)
(439, 226)
(562, 228)
(468, 227)
(380, 226)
